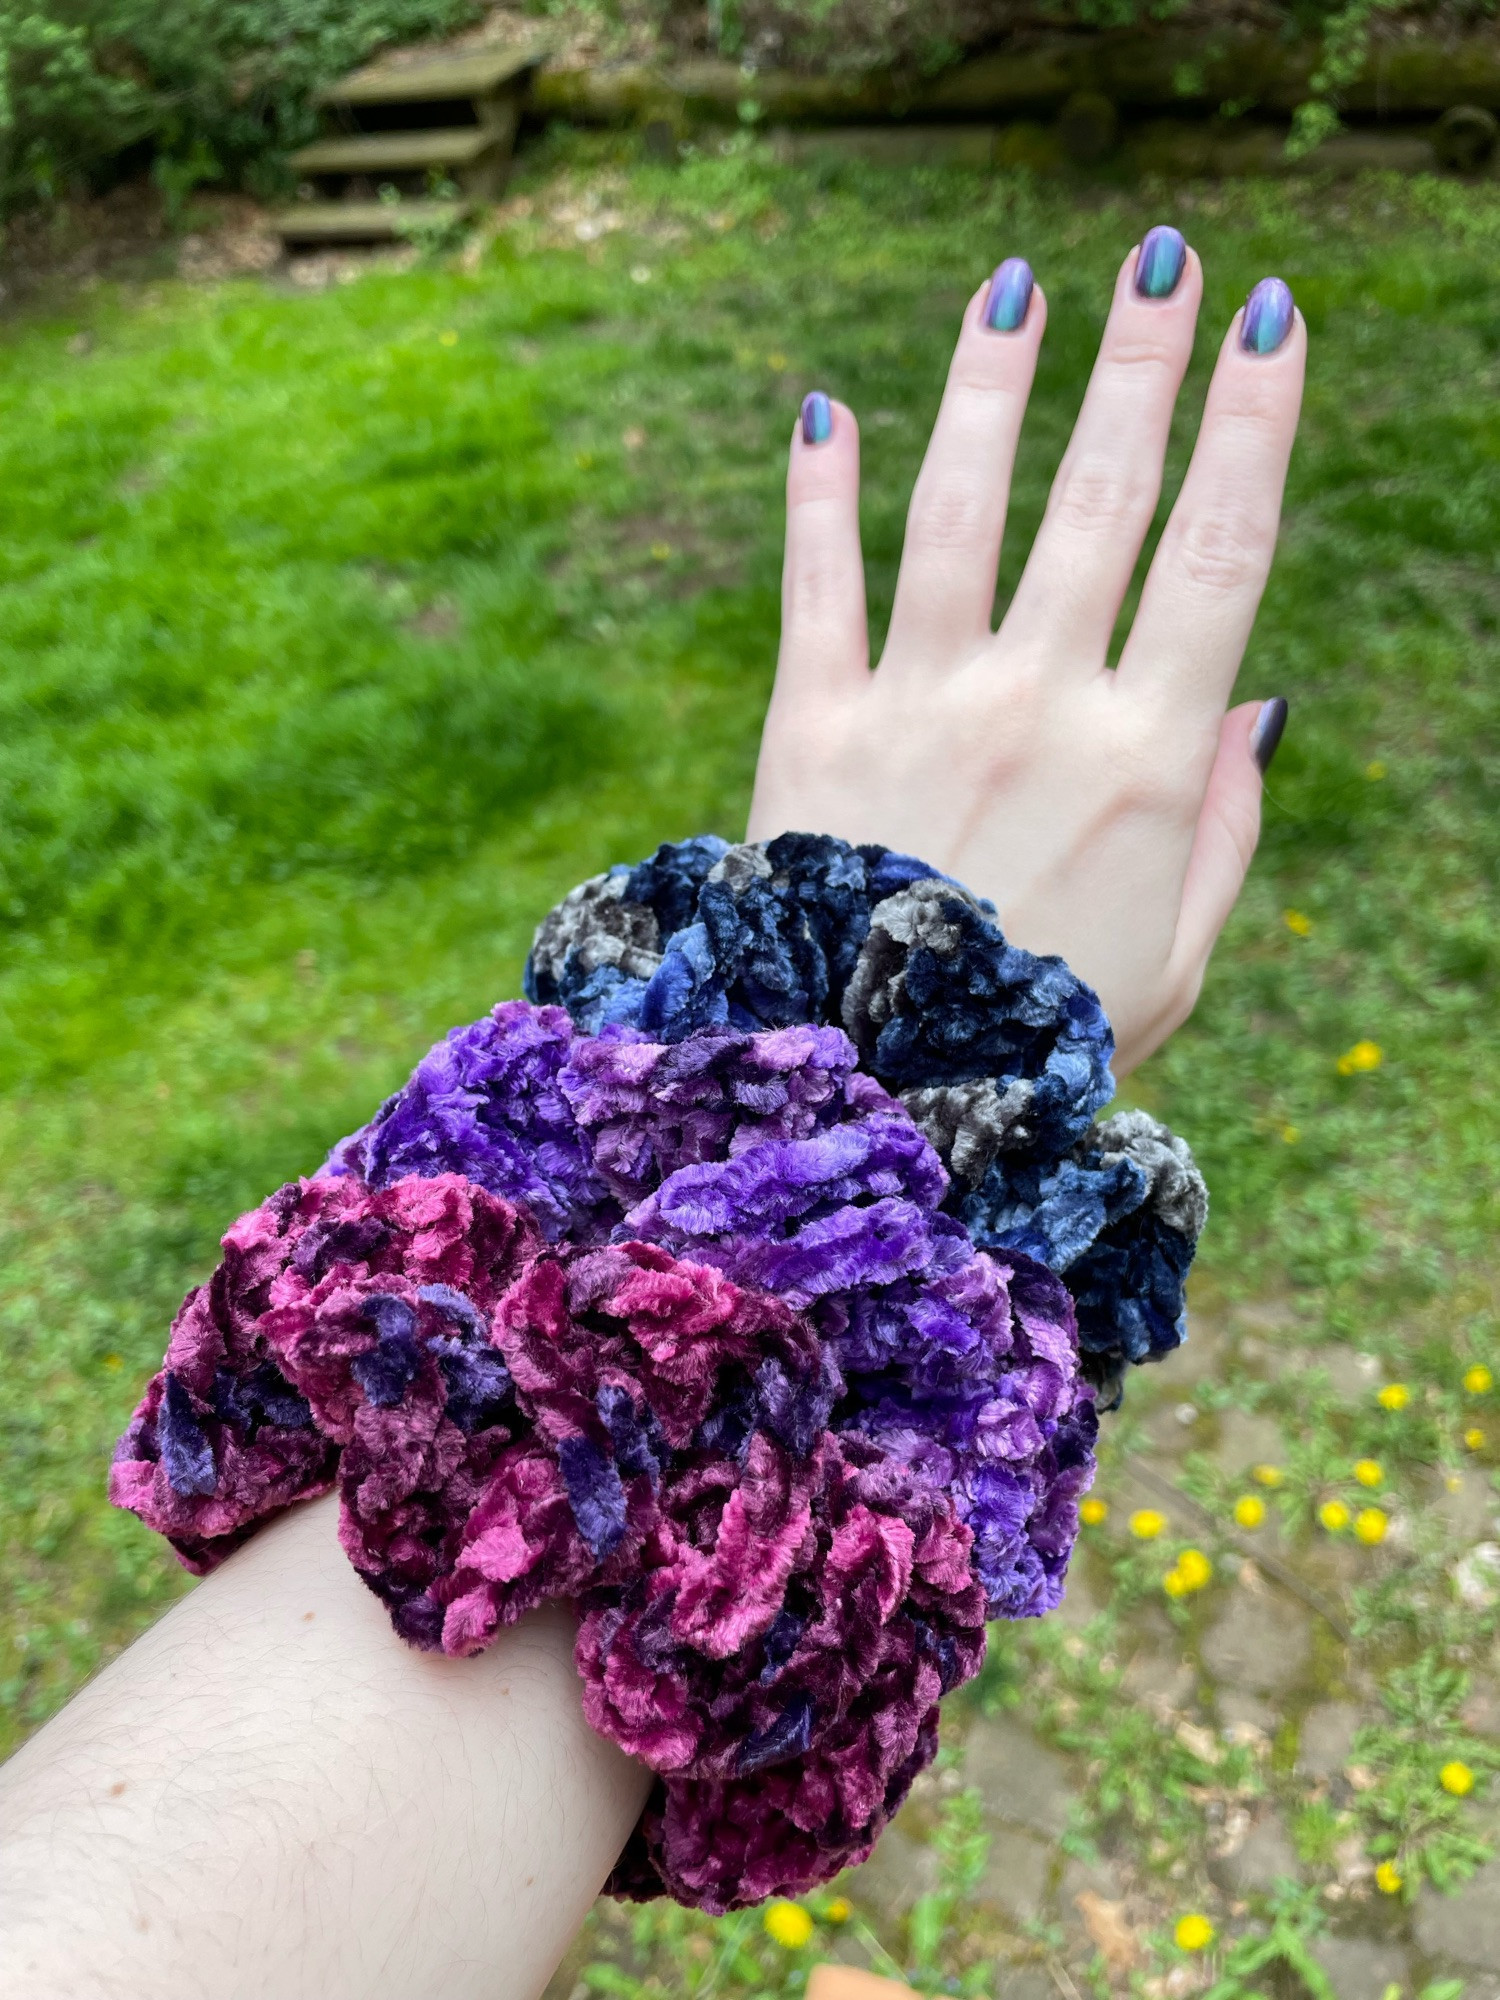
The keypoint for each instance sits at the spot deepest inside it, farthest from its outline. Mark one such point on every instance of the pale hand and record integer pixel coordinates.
(1109, 813)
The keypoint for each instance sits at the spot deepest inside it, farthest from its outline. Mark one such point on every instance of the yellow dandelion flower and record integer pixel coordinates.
(1249, 1510)
(1268, 1475)
(1195, 1569)
(787, 1924)
(1146, 1524)
(1375, 770)
(1394, 1396)
(1370, 1524)
(1474, 1438)
(1174, 1584)
(1478, 1380)
(660, 551)
(1193, 1933)
(1290, 1134)
(1456, 1778)
(1369, 1471)
(1363, 1056)
(1335, 1516)
(1092, 1512)
(1296, 923)
(448, 337)
(114, 1361)
(1388, 1879)
(839, 1911)
(776, 362)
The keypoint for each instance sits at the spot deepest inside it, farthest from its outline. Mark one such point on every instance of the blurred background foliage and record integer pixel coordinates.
(217, 91)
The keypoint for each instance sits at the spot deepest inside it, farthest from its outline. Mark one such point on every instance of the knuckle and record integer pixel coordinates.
(1224, 549)
(952, 513)
(1098, 495)
(1151, 780)
(1142, 348)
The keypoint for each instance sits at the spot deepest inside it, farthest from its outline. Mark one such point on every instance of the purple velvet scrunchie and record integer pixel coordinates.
(682, 1328)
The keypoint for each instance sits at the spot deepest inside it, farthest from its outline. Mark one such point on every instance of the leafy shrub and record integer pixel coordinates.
(214, 88)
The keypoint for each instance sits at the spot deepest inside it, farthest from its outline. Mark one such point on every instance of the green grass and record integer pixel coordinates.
(334, 650)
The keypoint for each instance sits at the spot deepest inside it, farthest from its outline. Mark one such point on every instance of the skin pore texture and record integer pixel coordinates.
(270, 1795)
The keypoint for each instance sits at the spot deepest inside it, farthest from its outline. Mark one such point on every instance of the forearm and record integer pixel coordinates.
(270, 1794)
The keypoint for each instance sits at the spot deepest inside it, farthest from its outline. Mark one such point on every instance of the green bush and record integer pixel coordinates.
(214, 89)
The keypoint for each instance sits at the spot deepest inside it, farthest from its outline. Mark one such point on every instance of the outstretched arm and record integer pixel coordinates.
(269, 1794)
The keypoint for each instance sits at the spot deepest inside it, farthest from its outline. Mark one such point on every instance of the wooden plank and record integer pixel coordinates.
(362, 221)
(396, 152)
(445, 73)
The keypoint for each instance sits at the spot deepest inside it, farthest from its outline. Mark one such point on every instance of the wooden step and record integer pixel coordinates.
(363, 221)
(417, 77)
(398, 152)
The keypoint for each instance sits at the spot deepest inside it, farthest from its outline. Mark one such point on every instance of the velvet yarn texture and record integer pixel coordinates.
(752, 1285)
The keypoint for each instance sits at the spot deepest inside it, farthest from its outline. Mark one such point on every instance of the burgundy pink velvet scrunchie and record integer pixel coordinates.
(750, 1285)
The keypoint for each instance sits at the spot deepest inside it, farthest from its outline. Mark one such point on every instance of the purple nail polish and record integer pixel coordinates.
(1266, 734)
(1161, 263)
(1268, 317)
(817, 418)
(1009, 301)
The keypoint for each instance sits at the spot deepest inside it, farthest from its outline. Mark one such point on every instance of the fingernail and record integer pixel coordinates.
(1268, 317)
(817, 418)
(1010, 296)
(1161, 263)
(1266, 734)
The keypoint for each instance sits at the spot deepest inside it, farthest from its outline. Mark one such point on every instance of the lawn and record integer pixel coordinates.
(341, 631)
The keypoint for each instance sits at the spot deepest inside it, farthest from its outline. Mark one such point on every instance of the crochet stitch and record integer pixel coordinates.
(751, 1299)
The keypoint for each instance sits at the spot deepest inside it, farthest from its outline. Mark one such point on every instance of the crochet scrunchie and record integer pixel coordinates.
(751, 1285)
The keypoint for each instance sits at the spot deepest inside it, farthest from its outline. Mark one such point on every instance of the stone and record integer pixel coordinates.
(1166, 1434)
(1030, 1983)
(1465, 1504)
(1263, 1858)
(1079, 1603)
(1091, 1878)
(1353, 1377)
(900, 1870)
(1200, 1359)
(1481, 1712)
(1327, 1738)
(1016, 1875)
(1246, 1440)
(1465, 1926)
(1264, 1316)
(1260, 1643)
(1362, 1968)
(1160, 1681)
(1241, 1711)
(1020, 1780)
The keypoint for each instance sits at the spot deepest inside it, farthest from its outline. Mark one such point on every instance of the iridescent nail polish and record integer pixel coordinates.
(817, 418)
(1009, 301)
(1268, 317)
(1161, 263)
(1266, 735)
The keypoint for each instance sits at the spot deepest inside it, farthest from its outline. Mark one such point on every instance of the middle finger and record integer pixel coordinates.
(1109, 482)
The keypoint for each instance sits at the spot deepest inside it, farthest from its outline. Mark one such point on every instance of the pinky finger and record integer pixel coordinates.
(825, 645)
(1225, 841)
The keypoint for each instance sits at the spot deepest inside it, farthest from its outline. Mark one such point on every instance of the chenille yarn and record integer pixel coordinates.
(753, 1298)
